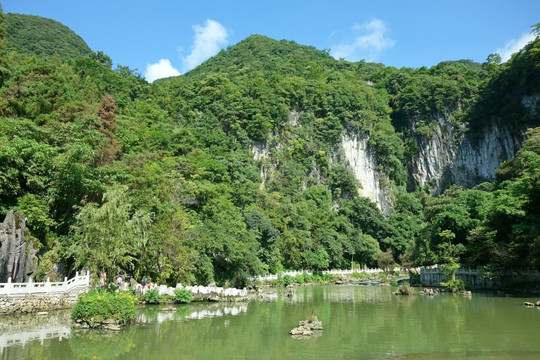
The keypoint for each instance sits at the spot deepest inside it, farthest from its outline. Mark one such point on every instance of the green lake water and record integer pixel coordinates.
(360, 322)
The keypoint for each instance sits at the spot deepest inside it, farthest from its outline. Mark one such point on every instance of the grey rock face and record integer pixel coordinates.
(17, 256)
(476, 161)
(468, 160)
(362, 160)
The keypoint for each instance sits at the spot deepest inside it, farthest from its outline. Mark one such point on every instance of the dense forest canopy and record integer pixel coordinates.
(160, 179)
(35, 35)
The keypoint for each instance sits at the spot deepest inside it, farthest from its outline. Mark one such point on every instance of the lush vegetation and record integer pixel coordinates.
(159, 180)
(182, 296)
(97, 307)
(35, 35)
(152, 297)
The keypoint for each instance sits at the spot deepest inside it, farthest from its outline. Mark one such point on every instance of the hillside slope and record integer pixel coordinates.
(269, 156)
(35, 35)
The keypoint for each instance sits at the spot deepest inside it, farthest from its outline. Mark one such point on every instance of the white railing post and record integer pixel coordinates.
(8, 285)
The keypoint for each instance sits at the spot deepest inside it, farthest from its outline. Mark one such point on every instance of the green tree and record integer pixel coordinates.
(3, 41)
(109, 235)
(535, 29)
(385, 260)
(37, 212)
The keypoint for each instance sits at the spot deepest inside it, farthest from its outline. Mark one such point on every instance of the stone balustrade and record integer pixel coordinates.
(30, 297)
(433, 276)
(333, 272)
(47, 287)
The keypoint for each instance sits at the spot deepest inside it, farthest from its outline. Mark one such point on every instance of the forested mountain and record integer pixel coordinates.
(270, 156)
(35, 35)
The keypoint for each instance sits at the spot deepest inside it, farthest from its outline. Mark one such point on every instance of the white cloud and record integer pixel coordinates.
(370, 40)
(159, 70)
(209, 39)
(514, 46)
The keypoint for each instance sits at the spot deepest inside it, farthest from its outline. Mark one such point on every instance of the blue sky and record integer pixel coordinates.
(163, 38)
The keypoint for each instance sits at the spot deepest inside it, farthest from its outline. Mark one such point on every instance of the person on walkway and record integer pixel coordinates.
(102, 276)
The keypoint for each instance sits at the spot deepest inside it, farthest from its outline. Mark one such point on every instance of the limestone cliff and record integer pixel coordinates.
(449, 156)
(478, 156)
(353, 152)
(17, 255)
(434, 157)
(362, 160)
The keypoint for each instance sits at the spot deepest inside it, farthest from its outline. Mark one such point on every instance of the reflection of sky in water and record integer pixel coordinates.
(340, 293)
(195, 314)
(59, 327)
(204, 313)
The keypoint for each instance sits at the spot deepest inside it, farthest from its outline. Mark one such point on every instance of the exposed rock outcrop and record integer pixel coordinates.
(17, 255)
(478, 158)
(447, 156)
(362, 160)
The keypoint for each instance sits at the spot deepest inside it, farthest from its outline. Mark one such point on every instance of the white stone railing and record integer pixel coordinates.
(433, 276)
(47, 287)
(333, 272)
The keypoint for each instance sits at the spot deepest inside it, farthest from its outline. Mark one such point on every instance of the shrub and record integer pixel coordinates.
(311, 316)
(316, 278)
(454, 285)
(287, 280)
(152, 297)
(95, 307)
(308, 278)
(394, 282)
(406, 289)
(284, 280)
(300, 279)
(361, 275)
(327, 277)
(182, 296)
(414, 278)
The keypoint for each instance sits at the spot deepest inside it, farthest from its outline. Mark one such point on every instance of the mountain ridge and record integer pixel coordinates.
(270, 156)
(39, 36)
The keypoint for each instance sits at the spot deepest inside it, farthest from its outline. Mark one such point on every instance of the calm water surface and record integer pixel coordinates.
(360, 322)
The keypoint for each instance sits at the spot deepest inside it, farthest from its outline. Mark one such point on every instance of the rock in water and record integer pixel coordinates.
(307, 329)
(169, 309)
(17, 255)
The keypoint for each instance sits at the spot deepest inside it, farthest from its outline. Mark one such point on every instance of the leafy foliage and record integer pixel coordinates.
(182, 296)
(96, 307)
(152, 297)
(35, 35)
